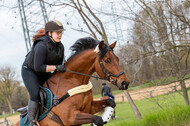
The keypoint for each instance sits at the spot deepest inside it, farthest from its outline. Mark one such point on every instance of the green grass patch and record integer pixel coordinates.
(174, 112)
(9, 114)
(175, 116)
(140, 86)
(187, 76)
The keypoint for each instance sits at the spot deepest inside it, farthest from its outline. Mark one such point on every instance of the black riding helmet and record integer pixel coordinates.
(53, 25)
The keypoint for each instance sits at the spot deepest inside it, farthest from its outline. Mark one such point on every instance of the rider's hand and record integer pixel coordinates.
(60, 68)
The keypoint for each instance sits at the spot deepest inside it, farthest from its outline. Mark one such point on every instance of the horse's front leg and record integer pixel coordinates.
(99, 105)
(79, 118)
(85, 118)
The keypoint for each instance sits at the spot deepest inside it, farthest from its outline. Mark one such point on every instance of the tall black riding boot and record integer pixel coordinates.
(33, 108)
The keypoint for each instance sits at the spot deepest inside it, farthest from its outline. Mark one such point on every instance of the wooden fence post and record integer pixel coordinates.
(123, 98)
(134, 107)
(6, 122)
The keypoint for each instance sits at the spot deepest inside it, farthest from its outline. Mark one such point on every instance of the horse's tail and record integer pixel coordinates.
(40, 33)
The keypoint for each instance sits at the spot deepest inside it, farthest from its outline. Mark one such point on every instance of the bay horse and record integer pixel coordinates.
(89, 56)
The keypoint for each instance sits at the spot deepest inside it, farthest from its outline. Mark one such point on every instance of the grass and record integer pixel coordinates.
(175, 113)
(9, 114)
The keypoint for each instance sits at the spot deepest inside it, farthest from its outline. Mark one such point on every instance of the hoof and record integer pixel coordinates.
(98, 120)
(110, 102)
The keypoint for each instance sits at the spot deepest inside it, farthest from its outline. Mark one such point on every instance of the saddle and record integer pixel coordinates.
(46, 101)
(47, 104)
(43, 97)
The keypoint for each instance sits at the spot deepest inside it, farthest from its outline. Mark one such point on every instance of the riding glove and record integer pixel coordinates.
(60, 68)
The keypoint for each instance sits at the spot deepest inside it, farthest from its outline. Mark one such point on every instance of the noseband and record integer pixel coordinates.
(101, 55)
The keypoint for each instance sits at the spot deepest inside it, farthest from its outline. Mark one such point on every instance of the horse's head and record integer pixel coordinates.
(107, 66)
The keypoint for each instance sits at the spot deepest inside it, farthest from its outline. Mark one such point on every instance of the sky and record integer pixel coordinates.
(12, 44)
(12, 48)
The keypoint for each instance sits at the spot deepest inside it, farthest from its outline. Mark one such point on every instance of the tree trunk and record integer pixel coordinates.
(184, 90)
(9, 104)
(134, 107)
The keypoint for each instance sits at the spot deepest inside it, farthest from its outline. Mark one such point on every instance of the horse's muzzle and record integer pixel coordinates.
(123, 86)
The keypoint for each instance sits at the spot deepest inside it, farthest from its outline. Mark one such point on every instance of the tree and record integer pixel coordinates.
(8, 83)
(163, 46)
(99, 28)
(94, 26)
(20, 94)
(90, 23)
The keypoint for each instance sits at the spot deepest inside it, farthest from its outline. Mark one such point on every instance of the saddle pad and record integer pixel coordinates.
(49, 100)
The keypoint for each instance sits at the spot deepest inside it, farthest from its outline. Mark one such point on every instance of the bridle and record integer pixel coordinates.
(101, 55)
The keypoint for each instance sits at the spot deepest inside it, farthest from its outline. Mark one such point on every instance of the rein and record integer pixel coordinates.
(97, 77)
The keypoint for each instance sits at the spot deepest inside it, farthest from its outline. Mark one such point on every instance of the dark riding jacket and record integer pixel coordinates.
(44, 52)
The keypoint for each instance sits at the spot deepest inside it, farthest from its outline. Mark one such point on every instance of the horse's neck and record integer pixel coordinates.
(82, 63)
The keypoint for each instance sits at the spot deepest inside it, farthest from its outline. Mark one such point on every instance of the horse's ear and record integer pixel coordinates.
(113, 45)
(99, 47)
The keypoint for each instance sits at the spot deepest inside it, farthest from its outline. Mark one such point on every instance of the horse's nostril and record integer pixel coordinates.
(124, 85)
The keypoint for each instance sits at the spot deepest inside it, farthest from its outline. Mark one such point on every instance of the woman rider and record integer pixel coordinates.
(45, 56)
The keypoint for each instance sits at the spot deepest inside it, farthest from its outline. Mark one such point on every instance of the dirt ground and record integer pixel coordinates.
(135, 94)
(151, 91)
(12, 119)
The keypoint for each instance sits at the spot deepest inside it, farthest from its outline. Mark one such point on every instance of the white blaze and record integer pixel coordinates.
(97, 49)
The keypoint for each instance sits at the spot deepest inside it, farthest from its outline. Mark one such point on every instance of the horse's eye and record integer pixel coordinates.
(107, 61)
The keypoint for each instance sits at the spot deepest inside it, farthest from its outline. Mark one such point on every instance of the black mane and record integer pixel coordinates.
(83, 44)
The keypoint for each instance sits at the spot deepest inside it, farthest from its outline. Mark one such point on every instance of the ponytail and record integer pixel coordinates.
(40, 33)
